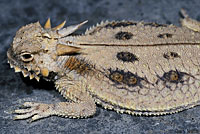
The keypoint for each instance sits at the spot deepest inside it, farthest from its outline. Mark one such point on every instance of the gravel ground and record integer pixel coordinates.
(15, 89)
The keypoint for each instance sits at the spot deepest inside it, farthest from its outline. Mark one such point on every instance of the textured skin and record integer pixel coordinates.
(133, 67)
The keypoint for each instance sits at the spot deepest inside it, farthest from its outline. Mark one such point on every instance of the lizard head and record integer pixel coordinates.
(35, 49)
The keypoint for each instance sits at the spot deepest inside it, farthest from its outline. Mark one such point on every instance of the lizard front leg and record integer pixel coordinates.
(81, 104)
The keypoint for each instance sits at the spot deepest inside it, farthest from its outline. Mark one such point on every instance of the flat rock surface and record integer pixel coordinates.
(15, 89)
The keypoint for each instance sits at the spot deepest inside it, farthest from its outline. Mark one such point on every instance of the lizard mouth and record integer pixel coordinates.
(26, 70)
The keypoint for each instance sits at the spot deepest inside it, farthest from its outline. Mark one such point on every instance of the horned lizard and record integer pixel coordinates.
(131, 67)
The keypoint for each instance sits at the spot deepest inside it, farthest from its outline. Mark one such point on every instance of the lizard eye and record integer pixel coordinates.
(26, 57)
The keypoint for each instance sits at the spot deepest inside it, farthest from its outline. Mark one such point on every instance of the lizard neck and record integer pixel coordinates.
(75, 65)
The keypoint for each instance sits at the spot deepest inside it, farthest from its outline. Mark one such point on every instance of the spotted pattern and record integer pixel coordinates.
(116, 77)
(178, 86)
(165, 35)
(127, 57)
(127, 78)
(123, 35)
(173, 76)
(120, 24)
(171, 55)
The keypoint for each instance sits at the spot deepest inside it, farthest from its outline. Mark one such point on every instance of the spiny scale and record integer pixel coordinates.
(37, 78)
(25, 73)
(31, 76)
(17, 69)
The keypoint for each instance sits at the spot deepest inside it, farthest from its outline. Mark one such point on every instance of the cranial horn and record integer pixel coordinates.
(68, 30)
(59, 26)
(66, 50)
(47, 24)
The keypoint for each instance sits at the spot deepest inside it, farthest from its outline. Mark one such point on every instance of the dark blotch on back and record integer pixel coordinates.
(170, 55)
(123, 35)
(120, 24)
(127, 78)
(173, 76)
(165, 35)
(127, 57)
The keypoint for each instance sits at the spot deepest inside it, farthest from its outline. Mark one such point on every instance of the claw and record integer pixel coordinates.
(24, 116)
(34, 111)
(30, 104)
(36, 117)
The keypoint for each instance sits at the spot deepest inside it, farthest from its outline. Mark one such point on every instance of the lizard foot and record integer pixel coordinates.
(34, 110)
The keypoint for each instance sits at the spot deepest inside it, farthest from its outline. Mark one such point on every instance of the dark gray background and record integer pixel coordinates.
(14, 89)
